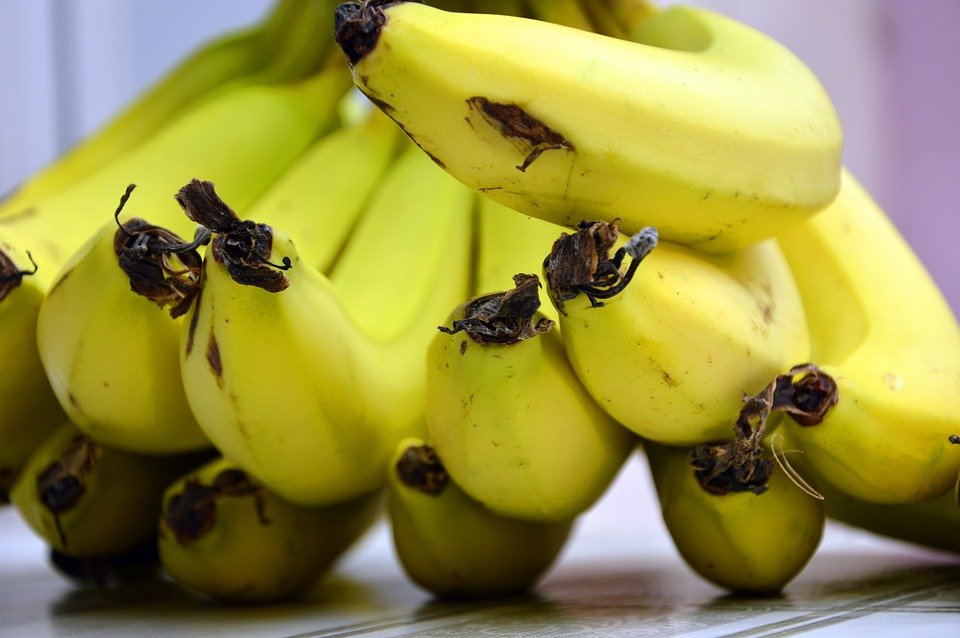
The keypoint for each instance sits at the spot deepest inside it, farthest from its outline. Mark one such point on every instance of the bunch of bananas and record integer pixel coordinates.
(297, 319)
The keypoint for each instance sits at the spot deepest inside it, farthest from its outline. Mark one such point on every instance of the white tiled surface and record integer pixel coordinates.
(620, 576)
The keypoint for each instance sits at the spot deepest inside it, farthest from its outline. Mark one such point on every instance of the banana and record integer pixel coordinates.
(569, 13)
(704, 128)
(109, 346)
(509, 243)
(505, 411)
(894, 361)
(452, 546)
(933, 523)
(320, 198)
(102, 572)
(307, 382)
(30, 411)
(87, 500)
(224, 535)
(668, 347)
(234, 57)
(629, 14)
(244, 139)
(745, 542)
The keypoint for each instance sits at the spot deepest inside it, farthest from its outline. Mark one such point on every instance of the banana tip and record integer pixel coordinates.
(357, 27)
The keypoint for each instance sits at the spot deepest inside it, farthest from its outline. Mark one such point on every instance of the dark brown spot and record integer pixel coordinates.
(213, 358)
(531, 136)
(463, 346)
(419, 467)
(61, 484)
(194, 317)
(192, 513)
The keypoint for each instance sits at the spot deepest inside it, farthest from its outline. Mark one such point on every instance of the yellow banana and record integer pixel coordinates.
(30, 411)
(248, 53)
(320, 198)
(882, 331)
(678, 340)
(224, 535)
(505, 411)
(88, 500)
(509, 243)
(109, 346)
(301, 393)
(243, 139)
(742, 541)
(703, 127)
(452, 546)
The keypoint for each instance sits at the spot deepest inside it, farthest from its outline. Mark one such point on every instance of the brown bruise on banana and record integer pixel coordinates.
(10, 275)
(420, 468)
(160, 265)
(531, 136)
(194, 317)
(213, 358)
(192, 513)
(504, 318)
(806, 393)
(61, 485)
(242, 246)
(581, 263)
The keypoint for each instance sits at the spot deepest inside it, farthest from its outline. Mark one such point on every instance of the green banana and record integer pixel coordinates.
(87, 500)
(891, 437)
(668, 347)
(933, 523)
(702, 127)
(453, 547)
(505, 411)
(109, 346)
(745, 542)
(233, 57)
(307, 382)
(224, 535)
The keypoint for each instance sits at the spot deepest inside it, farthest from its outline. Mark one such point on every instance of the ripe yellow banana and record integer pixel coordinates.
(883, 332)
(509, 243)
(88, 500)
(30, 411)
(703, 127)
(309, 387)
(108, 334)
(243, 139)
(670, 346)
(320, 198)
(452, 546)
(506, 413)
(742, 541)
(224, 535)
(248, 54)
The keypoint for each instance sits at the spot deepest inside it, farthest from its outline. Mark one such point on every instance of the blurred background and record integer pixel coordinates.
(891, 67)
(66, 66)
